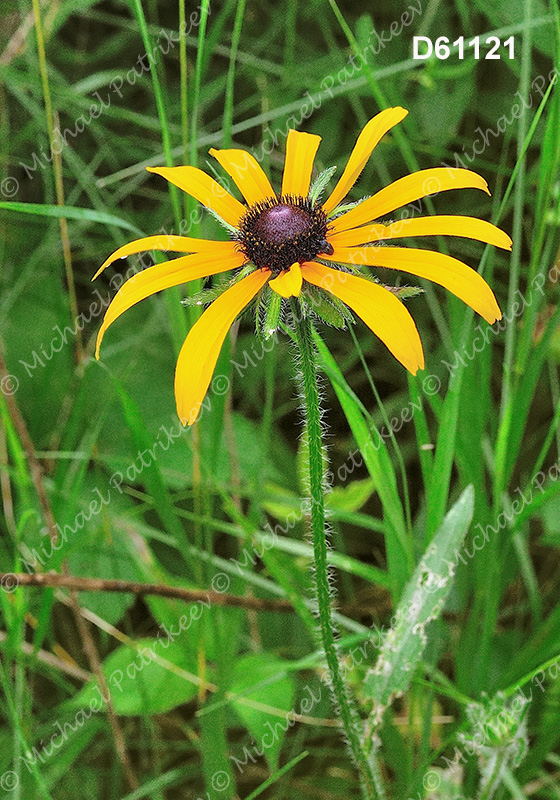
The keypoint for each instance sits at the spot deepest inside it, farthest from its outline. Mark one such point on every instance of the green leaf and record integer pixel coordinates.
(255, 680)
(320, 183)
(152, 678)
(422, 601)
(272, 317)
(105, 552)
(344, 207)
(351, 497)
(69, 212)
(204, 297)
(327, 307)
(405, 292)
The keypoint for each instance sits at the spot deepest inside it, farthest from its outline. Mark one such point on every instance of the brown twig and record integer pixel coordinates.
(97, 669)
(54, 579)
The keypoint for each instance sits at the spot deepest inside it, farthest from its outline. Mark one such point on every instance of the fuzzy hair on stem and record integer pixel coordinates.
(306, 369)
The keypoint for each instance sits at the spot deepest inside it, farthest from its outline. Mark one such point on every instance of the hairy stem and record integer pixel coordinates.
(491, 781)
(307, 365)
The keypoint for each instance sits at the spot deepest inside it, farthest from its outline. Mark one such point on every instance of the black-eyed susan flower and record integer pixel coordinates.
(279, 242)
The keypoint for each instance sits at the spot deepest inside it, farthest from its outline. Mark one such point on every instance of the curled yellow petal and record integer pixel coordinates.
(288, 283)
(426, 182)
(368, 139)
(205, 189)
(300, 155)
(381, 311)
(462, 281)
(168, 243)
(247, 174)
(440, 225)
(202, 346)
(163, 276)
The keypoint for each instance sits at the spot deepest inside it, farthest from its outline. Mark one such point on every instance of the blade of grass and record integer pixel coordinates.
(57, 167)
(398, 453)
(172, 296)
(195, 110)
(69, 212)
(230, 80)
(519, 201)
(277, 775)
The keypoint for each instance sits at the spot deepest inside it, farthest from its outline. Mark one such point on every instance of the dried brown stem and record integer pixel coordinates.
(53, 579)
(97, 669)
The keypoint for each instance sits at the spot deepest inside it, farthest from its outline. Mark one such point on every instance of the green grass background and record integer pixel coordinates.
(221, 505)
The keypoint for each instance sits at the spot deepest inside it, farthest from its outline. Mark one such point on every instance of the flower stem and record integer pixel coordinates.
(307, 364)
(491, 781)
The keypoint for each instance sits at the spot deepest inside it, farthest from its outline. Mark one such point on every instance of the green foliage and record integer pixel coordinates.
(422, 602)
(258, 680)
(470, 704)
(149, 679)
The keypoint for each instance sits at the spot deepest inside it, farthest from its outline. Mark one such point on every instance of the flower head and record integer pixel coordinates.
(282, 241)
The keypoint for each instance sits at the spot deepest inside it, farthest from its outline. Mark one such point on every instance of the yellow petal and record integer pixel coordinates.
(247, 174)
(452, 274)
(205, 189)
(202, 346)
(163, 276)
(469, 227)
(164, 241)
(288, 283)
(381, 311)
(407, 190)
(367, 141)
(300, 155)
